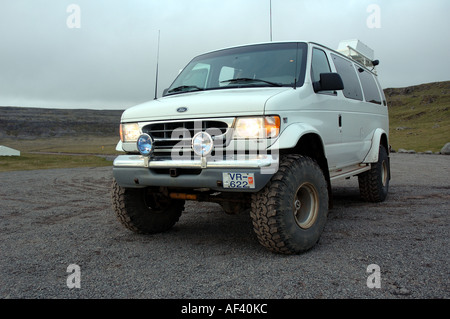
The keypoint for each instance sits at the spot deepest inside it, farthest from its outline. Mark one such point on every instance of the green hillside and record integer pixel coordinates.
(419, 116)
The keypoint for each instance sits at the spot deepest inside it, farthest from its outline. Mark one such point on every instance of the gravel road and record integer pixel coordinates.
(50, 219)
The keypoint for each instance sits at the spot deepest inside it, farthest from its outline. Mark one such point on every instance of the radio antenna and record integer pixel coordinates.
(270, 16)
(157, 63)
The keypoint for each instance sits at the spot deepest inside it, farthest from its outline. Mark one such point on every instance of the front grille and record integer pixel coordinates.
(167, 135)
(165, 130)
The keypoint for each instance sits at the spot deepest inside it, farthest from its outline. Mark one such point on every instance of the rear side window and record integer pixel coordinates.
(370, 87)
(352, 89)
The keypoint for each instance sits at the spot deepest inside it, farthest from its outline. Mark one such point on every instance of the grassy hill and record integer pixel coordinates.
(419, 116)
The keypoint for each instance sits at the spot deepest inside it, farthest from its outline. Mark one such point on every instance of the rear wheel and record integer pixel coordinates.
(374, 184)
(289, 214)
(143, 211)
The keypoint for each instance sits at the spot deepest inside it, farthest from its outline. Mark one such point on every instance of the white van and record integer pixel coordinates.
(265, 127)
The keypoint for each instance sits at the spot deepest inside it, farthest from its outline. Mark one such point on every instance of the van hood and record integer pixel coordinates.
(203, 104)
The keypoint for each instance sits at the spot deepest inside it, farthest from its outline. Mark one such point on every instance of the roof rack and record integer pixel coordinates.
(359, 52)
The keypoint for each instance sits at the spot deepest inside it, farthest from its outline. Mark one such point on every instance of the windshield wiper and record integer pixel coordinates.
(251, 80)
(185, 88)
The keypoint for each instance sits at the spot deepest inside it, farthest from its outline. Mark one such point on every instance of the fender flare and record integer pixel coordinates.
(372, 155)
(292, 134)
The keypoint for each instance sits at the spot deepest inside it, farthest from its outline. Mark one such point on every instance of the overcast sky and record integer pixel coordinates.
(102, 53)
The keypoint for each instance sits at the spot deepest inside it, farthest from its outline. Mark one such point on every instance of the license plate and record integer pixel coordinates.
(238, 180)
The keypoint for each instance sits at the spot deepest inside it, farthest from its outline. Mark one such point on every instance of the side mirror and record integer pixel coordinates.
(328, 82)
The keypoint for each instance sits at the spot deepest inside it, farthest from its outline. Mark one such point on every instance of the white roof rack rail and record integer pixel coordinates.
(358, 51)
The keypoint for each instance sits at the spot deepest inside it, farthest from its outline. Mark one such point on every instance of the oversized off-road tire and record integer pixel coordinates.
(290, 212)
(143, 211)
(374, 184)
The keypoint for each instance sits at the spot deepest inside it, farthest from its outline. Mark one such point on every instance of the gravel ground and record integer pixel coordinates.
(50, 219)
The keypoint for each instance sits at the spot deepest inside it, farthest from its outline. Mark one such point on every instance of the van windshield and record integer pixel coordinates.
(272, 64)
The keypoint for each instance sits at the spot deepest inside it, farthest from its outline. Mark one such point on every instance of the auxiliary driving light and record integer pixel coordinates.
(202, 144)
(145, 144)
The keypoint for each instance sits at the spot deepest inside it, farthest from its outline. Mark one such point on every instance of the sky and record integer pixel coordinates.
(102, 54)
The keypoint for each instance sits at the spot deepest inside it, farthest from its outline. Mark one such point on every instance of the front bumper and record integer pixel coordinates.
(134, 171)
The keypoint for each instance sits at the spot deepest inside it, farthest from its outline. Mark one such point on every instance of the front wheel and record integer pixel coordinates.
(143, 211)
(290, 213)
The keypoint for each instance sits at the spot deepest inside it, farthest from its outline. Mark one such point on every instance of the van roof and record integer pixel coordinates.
(350, 57)
(297, 41)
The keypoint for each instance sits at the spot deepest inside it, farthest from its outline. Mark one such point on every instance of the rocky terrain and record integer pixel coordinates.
(33, 123)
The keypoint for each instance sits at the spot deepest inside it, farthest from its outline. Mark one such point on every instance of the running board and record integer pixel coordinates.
(348, 171)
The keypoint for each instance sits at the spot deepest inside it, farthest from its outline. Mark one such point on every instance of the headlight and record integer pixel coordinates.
(257, 127)
(129, 132)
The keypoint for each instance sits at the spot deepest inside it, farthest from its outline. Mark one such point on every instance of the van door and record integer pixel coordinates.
(324, 111)
(354, 116)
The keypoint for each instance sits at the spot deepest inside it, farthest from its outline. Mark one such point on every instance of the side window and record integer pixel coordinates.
(352, 88)
(319, 64)
(369, 86)
(383, 97)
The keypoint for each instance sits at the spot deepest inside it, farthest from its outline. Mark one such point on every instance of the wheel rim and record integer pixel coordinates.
(384, 173)
(306, 205)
